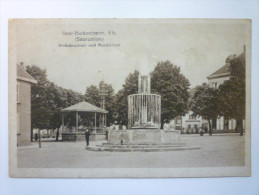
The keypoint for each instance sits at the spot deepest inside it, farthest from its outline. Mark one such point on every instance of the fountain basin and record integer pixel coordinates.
(143, 136)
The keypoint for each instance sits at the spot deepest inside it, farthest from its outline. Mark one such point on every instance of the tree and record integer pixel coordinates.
(167, 81)
(40, 111)
(47, 99)
(109, 103)
(204, 103)
(121, 98)
(92, 96)
(232, 92)
(72, 98)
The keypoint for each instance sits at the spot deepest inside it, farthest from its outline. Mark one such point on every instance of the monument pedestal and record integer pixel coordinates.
(143, 140)
(143, 136)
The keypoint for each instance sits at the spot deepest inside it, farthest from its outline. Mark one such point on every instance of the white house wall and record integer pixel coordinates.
(219, 81)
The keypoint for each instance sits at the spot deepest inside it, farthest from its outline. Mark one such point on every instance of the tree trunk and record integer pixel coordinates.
(239, 126)
(57, 134)
(39, 139)
(210, 128)
(31, 133)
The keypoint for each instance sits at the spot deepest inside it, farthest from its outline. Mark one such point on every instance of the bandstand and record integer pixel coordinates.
(83, 107)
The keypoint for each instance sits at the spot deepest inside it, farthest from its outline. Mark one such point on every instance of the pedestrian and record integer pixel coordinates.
(87, 135)
(57, 135)
(106, 133)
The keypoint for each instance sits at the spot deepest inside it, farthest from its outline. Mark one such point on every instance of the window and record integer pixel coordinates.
(192, 117)
(215, 85)
(179, 121)
(226, 123)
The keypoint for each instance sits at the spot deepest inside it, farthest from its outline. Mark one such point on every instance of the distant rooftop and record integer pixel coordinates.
(223, 71)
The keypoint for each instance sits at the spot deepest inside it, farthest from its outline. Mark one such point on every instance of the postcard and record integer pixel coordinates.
(129, 98)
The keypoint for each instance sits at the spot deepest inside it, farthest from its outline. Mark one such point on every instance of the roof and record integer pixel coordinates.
(223, 71)
(23, 75)
(84, 107)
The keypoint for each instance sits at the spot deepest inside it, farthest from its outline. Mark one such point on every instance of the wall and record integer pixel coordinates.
(218, 80)
(143, 136)
(24, 114)
(192, 122)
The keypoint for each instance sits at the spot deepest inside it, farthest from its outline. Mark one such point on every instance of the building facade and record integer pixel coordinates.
(24, 82)
(215, 80)
(193, 123)
(189, 123)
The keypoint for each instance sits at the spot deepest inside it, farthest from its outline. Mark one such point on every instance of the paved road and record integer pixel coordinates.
(216, 151)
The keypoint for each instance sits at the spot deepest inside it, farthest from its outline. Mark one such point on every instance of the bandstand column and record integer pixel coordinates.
(95, 122)
(76, 121)
(105, 120)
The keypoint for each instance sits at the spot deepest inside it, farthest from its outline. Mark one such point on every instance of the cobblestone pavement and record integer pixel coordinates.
(216, 151)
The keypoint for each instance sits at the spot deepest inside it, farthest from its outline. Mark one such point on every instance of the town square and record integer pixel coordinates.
(129, 97)
(71, 155)
(133, 107)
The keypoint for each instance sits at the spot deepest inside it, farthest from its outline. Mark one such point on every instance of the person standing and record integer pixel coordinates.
(87, 135)
(106, 133)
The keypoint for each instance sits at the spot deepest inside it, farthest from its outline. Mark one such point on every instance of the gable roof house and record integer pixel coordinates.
(23, 117)
(217, 78)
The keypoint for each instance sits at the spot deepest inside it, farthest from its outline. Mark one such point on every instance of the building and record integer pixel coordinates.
(189, 123)
(193, 123)
(215, 80)
(24, 82)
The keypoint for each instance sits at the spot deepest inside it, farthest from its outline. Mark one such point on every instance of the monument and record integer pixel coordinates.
(144, 119)
(144, 109)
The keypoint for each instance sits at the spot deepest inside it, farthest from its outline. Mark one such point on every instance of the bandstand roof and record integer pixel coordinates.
(84, 107)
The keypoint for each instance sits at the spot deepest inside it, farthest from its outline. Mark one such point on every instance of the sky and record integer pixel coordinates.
(198, 47)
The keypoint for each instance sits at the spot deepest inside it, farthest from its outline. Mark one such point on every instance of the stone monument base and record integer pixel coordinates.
(142, 140)
(143, 136)
(142, 147)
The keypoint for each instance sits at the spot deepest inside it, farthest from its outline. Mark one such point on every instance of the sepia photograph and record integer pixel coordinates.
(130, 98)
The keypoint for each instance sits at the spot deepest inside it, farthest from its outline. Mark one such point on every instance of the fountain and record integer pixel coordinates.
(144, 109)
(144, 119)
(143, 133)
